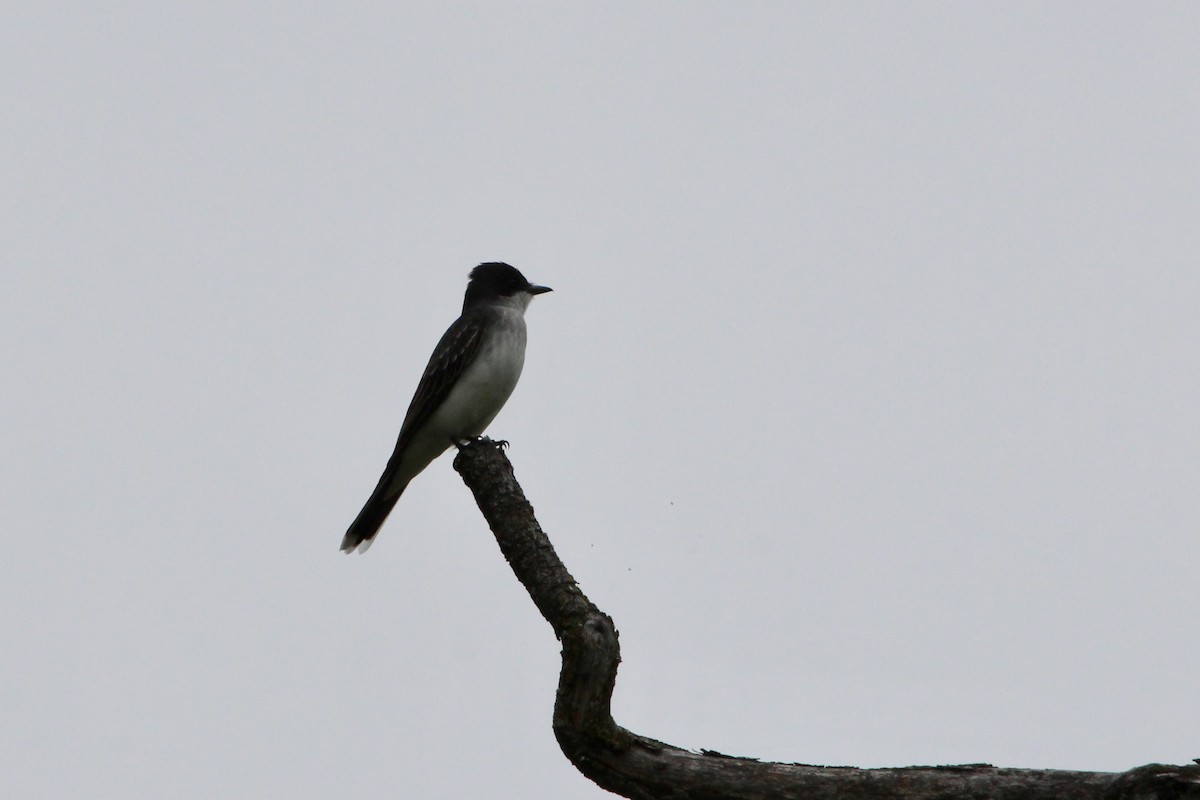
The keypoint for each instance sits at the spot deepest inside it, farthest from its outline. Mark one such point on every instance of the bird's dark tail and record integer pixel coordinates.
(362, 531)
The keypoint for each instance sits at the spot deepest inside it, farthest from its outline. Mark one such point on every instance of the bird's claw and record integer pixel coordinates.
(475, 441)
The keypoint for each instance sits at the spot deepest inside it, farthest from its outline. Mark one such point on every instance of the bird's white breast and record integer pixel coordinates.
(487, 383)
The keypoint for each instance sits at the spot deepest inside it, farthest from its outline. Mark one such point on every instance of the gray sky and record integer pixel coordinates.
(866, 401)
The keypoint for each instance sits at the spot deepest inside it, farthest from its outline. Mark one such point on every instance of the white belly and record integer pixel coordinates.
(486, 385)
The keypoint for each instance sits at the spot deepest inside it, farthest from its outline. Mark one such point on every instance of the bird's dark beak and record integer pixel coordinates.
(535, 289)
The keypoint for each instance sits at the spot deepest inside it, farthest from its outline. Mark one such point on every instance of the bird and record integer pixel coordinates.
(471, 374)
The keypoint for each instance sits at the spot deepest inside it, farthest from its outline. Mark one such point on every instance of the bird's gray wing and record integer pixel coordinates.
(456, 350)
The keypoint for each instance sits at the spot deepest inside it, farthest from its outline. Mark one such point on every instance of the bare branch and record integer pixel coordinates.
(644, 769)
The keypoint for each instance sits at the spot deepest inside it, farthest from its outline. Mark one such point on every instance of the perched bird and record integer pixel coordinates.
(470, 375)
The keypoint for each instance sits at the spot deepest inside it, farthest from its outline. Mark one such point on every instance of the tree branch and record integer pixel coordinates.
(637, 767)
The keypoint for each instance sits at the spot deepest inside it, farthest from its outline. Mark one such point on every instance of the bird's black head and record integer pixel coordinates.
(495, 280)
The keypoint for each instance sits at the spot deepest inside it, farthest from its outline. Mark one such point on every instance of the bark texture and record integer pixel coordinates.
(637, 767)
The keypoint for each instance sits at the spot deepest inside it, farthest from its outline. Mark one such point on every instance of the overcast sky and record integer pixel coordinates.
(866, 401)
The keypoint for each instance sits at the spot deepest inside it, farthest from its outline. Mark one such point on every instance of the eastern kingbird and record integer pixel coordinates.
(470, 375)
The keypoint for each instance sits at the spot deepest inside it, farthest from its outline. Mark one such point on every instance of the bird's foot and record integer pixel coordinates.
(476, 441)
